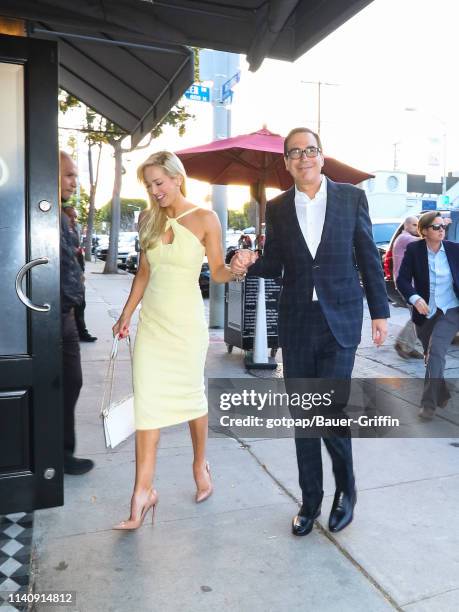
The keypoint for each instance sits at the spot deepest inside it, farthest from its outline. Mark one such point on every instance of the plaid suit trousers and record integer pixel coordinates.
(320, 357)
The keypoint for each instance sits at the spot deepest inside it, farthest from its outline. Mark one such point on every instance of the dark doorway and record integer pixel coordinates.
(30, 356)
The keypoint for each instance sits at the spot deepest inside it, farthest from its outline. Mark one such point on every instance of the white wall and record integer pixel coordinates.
(387, 195)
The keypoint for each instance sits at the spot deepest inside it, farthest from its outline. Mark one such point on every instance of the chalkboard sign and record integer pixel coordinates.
(272, 289)
(240, 312)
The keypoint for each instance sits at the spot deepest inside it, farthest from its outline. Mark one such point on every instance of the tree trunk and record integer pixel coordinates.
(111, 265)
(92, 197)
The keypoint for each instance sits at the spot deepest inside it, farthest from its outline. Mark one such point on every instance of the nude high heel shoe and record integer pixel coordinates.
(203, 494)
(150, 504)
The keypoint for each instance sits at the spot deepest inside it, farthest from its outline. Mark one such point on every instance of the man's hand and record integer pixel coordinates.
(379, 331)
(421, 306)
(241, 260)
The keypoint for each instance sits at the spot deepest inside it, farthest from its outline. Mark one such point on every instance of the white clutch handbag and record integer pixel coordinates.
(117, 417)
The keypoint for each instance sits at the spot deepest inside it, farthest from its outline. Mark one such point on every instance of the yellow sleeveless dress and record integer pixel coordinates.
(172, 336)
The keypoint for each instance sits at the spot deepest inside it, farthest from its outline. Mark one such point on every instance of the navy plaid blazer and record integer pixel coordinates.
(346, 247)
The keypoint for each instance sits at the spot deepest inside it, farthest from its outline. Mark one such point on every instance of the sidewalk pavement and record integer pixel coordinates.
(236, 550)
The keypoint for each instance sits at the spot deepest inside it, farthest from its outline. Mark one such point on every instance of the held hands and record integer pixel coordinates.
(121, 327)
(241, 261)
(421, 307)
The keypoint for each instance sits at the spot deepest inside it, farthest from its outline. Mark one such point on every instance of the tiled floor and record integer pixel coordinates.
(15, 549)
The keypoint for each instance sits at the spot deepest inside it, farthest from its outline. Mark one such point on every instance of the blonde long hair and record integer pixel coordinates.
(153, 222)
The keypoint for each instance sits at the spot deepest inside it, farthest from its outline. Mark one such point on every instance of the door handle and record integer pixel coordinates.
(19, 278)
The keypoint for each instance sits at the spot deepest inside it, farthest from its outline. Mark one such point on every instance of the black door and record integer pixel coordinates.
(31, 454)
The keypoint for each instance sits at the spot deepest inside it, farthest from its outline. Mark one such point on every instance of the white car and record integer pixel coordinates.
(126, 244)
(232, 238)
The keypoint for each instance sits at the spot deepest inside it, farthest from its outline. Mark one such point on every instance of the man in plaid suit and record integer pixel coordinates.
(318, 236)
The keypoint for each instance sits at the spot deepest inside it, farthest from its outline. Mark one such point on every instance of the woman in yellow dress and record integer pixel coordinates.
(172, 336)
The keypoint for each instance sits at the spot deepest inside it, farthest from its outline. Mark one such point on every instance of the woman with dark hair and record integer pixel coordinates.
(429, 280)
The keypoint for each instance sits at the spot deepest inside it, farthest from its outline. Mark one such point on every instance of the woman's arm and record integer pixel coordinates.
(139, 284)
(220, 272)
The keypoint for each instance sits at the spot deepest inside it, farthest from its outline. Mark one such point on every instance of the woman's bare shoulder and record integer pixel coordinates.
(206, 215)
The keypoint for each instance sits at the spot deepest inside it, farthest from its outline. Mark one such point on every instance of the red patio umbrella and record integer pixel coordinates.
(255, 159)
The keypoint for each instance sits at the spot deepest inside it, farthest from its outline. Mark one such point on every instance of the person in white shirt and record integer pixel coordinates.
(318, 235)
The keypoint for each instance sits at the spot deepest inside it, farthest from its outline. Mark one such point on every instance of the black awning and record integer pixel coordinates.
(133, 86)
(136, 83)
(130, 80)
(281, 29)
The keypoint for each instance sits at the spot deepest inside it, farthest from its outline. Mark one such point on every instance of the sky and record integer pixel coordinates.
(392, 56)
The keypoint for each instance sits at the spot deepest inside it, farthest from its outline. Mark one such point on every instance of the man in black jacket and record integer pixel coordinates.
(83, 332)
(72, 295)
(318, 235)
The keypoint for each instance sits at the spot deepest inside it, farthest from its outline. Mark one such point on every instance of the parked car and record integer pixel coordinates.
(452, 233)
(98, 241)
(204, 279)
(126, 244)
(232, 237)
(132, 262)
(383, 230)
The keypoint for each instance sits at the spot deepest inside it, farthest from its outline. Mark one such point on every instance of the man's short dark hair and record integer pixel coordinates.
(300, 130)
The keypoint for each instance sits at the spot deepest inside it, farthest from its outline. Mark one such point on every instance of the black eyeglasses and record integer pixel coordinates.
(437, 226)
(308, 151)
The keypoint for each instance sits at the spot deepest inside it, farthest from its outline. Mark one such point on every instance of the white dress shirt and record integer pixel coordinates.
(311, 217)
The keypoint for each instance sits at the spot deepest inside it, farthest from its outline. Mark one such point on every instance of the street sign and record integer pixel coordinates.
(230, 83)
(199, 93)
(445, 199)
(229, 94)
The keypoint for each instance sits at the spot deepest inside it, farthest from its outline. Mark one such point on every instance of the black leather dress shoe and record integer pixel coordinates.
(426, 414)
(303, 524)
(342, 511)
(444, 402)
(401, 351)
(76, 466)
(87, 338)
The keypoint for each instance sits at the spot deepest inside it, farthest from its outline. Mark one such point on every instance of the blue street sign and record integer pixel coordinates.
(429, 204)
(198, 93)
(228, 94)
(226, 87)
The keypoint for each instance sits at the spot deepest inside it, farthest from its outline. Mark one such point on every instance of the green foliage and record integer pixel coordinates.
(240, 219)
(176, 117)
(250, 211)
(236, 220)
(72, 143)
(128, 206)
(67, 101)
(82, 207)
(98, 129)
